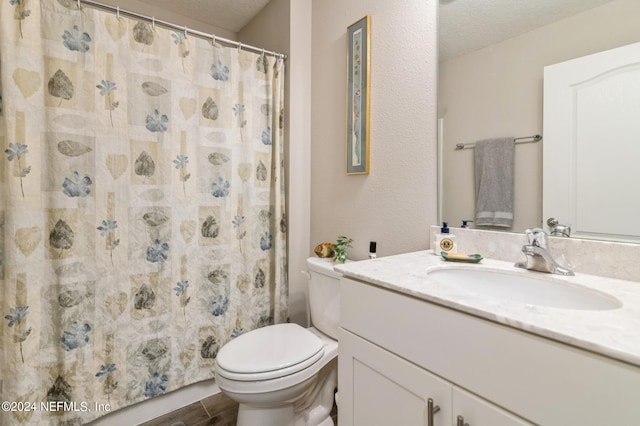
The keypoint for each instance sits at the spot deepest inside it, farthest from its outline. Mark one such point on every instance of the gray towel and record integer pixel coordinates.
(494, 159)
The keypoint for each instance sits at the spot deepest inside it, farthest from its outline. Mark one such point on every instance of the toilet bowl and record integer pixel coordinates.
(284, 374)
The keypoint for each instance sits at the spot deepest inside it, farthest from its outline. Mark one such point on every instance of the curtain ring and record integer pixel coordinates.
(79, 7)
(153, 23)
(239, 47)
(185, 31)
(213, 40)
(118, 13)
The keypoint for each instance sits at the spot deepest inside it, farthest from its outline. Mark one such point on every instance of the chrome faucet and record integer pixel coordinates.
(538, 256)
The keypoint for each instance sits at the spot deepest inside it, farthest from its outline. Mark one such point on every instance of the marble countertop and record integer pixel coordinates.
(614, 333)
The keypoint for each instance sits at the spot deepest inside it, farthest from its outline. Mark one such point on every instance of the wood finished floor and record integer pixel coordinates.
(216, 410)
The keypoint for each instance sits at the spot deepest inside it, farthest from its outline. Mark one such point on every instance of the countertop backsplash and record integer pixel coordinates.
(601, 258)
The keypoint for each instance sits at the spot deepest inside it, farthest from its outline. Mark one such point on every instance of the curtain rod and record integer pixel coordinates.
(184, 28)
(524, 139)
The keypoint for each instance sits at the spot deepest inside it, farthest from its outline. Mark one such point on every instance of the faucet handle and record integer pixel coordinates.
(557, 229)
(537, 237)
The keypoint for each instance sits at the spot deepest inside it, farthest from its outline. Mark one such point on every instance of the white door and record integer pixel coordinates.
(591, 148)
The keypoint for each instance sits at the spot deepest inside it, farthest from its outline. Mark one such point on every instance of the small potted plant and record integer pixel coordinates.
(340, 248)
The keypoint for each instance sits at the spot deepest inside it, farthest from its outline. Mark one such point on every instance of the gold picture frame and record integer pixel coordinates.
(358, 96)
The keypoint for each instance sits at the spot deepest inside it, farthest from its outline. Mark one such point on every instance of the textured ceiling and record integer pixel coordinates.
(464, 25)
(230, 15)
(468, 25)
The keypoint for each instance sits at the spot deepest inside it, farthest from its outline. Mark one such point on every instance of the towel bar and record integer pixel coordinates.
(524, 139)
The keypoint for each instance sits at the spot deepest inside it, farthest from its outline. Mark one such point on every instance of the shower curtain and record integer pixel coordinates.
(142, 220)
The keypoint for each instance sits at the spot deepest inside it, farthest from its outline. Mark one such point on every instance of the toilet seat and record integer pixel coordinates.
(269, 353)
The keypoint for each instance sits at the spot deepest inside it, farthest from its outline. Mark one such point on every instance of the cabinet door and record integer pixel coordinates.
(377, 388)
(478, 412)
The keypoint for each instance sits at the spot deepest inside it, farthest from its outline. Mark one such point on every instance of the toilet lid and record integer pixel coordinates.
(269, 352)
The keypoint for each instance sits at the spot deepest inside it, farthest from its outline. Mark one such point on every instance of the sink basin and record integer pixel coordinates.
(530, 290)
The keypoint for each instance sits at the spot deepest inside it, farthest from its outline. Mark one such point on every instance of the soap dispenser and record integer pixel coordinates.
(372, 250)
(444, 241)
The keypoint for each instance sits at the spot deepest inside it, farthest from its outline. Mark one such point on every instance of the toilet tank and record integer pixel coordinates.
(324, 295)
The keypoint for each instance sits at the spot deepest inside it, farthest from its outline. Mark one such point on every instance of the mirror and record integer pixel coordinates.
(491, 85)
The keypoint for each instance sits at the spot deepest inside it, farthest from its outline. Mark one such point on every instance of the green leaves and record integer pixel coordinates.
(340, 248)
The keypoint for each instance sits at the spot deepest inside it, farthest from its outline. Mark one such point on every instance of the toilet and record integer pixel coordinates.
(285, 374)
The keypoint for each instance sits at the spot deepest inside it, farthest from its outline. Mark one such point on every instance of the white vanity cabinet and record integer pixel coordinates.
(388, 390)
(398, 351)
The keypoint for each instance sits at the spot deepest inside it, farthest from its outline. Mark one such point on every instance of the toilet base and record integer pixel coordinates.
(312, 407)
(272, 416)
(282, 416)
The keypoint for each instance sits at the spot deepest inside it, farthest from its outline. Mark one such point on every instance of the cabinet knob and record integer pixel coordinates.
(461, 422)
(431, 410)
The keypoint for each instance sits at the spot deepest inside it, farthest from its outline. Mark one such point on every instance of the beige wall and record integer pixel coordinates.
(299, 177)
(396, 202)
(497, 91)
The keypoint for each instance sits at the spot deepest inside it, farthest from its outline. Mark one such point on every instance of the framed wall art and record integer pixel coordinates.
(358, 35)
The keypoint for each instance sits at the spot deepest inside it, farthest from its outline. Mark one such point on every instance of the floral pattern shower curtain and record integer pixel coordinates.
(142, 216)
